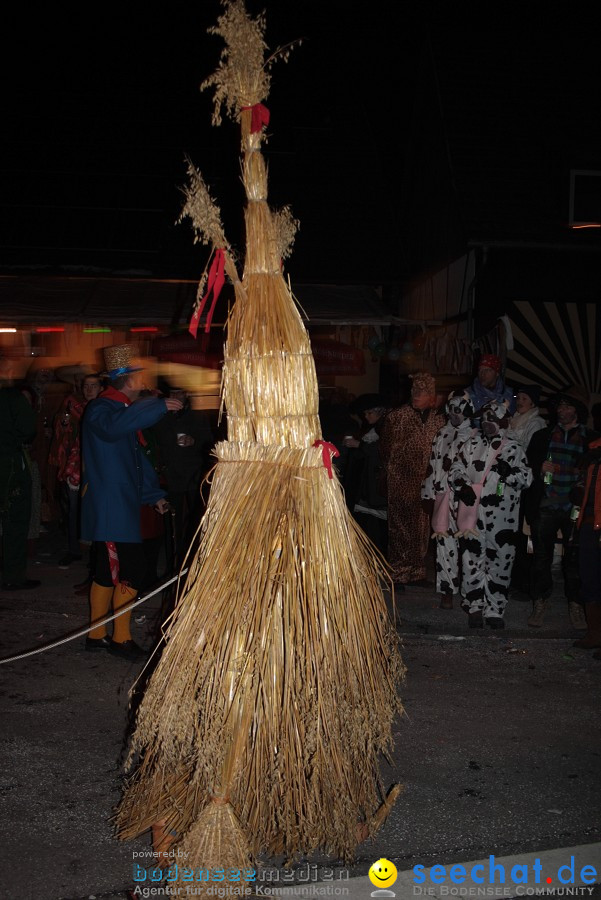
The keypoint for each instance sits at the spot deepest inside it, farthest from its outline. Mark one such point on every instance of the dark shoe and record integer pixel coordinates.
(67, 559)
(538, 613)
(24, 585)
(592, 638)
(446, 601)
(588, 642)
(521, 595)
(102, 643)
(83, 587)
(577, 617)
(476, 620)
(495, 622)
(83, 584)
(127, 650)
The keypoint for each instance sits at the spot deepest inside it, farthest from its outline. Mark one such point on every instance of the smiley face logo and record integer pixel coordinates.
(382, 873)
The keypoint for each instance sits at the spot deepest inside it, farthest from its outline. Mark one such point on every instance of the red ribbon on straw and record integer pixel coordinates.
(328, 452)
(215, 283)
(113, 561)
(259, 117)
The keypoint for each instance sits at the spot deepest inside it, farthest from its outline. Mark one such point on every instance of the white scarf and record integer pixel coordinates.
(520, 420)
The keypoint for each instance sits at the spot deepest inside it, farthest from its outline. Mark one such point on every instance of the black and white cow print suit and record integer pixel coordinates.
(445, 448)
(488, 553)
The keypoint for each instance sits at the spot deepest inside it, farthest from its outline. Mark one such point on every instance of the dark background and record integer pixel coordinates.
(399, 132)
(101, 107)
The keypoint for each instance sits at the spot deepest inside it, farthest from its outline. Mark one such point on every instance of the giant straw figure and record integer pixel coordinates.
(261, 726)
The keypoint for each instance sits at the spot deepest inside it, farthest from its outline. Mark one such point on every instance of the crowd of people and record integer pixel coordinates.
(495, 485)
(501, 489)
(105, 462)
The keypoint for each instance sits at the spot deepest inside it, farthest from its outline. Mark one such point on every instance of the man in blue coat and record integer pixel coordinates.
(489, 386)
(117, 479)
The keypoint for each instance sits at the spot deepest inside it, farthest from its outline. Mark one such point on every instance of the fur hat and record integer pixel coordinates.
(423, 382)
(577, 396)
(490, 361)
(121, 360)
(532, 391)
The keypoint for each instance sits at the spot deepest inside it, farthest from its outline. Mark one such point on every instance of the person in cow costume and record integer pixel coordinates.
(440, 499)
(488, 475)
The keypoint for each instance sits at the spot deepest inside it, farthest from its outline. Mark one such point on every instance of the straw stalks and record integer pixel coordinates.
(261, 726)
(291, 614)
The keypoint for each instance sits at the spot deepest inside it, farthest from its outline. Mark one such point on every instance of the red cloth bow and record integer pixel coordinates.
(259, 117)
(328, 452)
(215, 283)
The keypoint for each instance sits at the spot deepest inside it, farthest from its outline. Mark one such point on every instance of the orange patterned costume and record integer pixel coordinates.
(406, 442)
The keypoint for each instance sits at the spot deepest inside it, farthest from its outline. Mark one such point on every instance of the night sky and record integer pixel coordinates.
(101, 106)
(103, 110)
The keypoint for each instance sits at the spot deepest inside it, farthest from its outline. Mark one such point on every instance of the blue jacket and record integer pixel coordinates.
(480, 395)
(117, 478)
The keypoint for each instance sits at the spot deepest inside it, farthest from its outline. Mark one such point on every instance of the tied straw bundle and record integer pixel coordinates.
(276, 690)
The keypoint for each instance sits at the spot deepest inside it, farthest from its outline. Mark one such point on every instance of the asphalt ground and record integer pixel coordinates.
(498, 751)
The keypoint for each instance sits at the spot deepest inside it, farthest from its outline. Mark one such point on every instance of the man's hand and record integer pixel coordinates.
(549, 466)
(172, 404)
(503, 469)
(162, 506)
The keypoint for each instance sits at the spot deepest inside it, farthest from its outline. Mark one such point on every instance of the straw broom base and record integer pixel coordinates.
(288, 576)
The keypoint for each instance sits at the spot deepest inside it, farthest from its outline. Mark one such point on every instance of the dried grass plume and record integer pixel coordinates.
(285, 227)
(243, 75)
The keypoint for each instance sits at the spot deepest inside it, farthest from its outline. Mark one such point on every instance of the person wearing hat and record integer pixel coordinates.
(497, 467)
(436, 491)
(405, 444)
(527, 418)
(117, 479)
(554, 453)
(489, 385)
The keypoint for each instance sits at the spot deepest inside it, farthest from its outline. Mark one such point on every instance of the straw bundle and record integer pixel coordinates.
(261, 725)
(291, 615)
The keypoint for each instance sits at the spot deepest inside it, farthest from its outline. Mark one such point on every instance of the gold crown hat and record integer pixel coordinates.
(121, 359)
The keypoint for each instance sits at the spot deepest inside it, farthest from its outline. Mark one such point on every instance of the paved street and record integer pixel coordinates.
(499, 750)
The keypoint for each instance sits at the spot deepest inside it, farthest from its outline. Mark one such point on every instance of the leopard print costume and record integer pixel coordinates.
(405, 444)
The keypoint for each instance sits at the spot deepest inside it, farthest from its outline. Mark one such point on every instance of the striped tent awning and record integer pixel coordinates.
(554, 345)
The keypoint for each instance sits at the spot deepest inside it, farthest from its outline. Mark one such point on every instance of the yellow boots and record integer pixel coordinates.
(102, 599)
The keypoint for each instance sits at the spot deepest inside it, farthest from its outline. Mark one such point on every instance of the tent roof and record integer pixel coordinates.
(84, 298)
